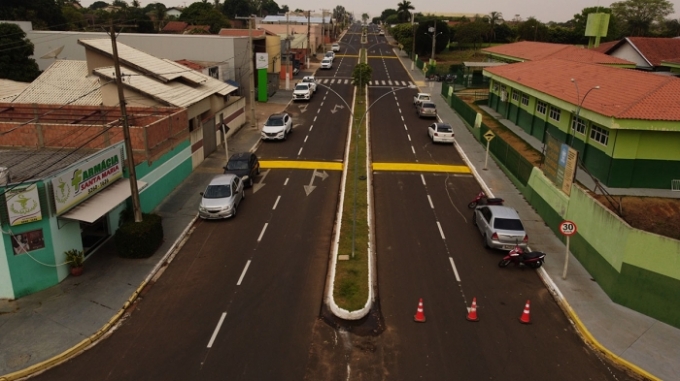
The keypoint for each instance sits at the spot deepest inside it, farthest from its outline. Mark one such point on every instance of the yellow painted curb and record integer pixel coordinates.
(613, 357)
(392, 57)
(331, 166)
(410, 167)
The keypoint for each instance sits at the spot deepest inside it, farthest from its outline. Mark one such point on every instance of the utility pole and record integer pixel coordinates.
(323, 29)
(434, 40)
(289, 62)
(413, 50)
(136, 205)
(309, 31)
(252, 68)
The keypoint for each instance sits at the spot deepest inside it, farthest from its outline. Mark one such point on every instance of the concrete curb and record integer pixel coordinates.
(94, 339)
(587, 337)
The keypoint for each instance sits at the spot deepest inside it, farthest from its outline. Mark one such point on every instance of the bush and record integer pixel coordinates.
(138, 239)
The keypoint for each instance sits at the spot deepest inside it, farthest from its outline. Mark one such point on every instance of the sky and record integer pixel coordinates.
(543, 10)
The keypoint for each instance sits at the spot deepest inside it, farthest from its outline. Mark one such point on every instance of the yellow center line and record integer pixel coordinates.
(410, 167)
(290, 164)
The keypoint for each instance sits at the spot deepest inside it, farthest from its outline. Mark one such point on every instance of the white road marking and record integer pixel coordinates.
(398, 106)
(315, 118)
(262, 233)
(243, 274)
(405, 127)
(300, 151)
(413, 149)
(455, 271)
(423, 179)
(286, 182)
(402, 118)
(278, 198)
(441, 232)
(217, 329)
(409, 137)
(310, 127)
(306, 138)
(319, 110)
(428, 199)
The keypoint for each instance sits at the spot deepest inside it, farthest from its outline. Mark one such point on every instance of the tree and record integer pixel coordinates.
(284, 9)
(98, 5)
(532, 30)
(387, 13)
(364, 17)
(268, 7)
(670, 28)
(234, 8)
(15, 63)
(471, 33)
(424, 37)
(578, 23)
(44, 14)
(75, 19)
(639, 15)
(204, 14)
(404, 10)
(495, 18)
(361, 76)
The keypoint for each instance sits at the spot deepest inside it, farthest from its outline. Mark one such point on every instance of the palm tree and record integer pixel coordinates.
(364, 17)
(494, 19)
(404, 10)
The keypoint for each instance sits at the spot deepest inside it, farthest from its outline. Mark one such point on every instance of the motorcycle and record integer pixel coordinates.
(533, 259)
(482, 199)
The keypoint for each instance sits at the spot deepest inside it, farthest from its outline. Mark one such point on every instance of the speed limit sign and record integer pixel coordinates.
(567, 228)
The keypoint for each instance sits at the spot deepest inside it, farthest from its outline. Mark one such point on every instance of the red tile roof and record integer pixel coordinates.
(191, 65)
(175, 27)
(240, 32)
(656, 50)
(534, 51)
(196, 29)
(623, 93)
(606, 46)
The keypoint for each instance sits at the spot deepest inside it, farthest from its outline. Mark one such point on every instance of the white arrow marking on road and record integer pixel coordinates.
(309, 188)
(259, 185)
(303, 108)
(336, 107)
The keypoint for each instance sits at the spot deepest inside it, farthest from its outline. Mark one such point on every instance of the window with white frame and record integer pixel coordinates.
(495, 87)
(555, 113)
(515, 95)
(541, 107)
(599, 134)
(578, 125)
(525, 99)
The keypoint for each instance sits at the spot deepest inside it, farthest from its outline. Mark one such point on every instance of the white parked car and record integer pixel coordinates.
(420, 97)
(330, 54)
(335, 47)
(311, 80)
(302, 92)
(277, 127)
(221, 197)
(326, 63)
(440, 133)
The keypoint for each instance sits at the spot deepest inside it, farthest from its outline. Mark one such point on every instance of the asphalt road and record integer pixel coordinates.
(243, 299)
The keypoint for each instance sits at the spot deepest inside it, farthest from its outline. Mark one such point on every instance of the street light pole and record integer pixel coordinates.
(434, 41)
(579, 104)
(413, 33)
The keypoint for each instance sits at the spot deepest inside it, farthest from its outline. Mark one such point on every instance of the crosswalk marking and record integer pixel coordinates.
(345, 81)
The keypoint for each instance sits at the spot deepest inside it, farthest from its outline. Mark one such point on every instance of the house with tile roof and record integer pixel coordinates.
(533, 51)
(175, 27)
(672, 64)
(625, 124)
(648, 53)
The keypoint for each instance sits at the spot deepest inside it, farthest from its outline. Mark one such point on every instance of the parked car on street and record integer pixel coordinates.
(277, 127)
(244, 165)
(427, 109)
(302, 92)
(420, 97)
(440, 133)
(500, 226)
(221, 197)
(326, 63)
(330, 54)
(381, 33)
(311, 80)
(335, 47)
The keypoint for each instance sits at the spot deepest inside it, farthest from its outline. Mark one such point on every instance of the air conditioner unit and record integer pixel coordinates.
(504, 96)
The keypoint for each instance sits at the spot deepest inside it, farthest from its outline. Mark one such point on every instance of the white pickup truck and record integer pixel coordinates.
(311, 80)
(302, 91)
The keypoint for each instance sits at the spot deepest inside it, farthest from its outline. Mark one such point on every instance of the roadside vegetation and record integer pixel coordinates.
(351, 276)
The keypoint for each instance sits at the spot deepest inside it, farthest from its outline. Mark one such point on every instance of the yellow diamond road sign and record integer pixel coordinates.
(489, 135)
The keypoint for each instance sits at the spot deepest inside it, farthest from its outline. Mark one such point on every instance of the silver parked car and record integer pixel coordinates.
(427, 109)
(221, 197)
(500, 226)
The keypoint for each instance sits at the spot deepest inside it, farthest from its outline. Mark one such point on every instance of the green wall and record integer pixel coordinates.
(164, 175)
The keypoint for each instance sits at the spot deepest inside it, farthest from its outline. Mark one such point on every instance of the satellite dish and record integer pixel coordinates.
(53, 54)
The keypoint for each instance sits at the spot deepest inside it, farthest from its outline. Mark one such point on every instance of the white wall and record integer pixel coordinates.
(6, 289)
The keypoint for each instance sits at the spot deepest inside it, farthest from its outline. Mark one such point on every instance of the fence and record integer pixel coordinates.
(512, 160)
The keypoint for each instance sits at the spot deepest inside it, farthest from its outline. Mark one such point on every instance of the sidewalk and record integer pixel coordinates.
(649, 347)
(43, 328)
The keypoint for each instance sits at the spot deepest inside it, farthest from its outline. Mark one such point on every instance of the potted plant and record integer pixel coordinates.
(75, 258)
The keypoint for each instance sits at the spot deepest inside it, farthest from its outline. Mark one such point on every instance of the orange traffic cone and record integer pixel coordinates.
(525, 319)
(420, 315)
(472, 314)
